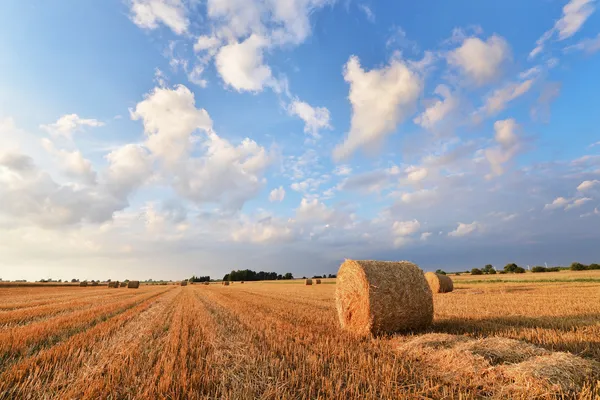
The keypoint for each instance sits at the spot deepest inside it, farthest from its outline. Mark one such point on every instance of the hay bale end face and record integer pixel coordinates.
(317, 281)
(133, 284)
(308, 282)
(123, 284)
(380, 297)
(183, 283)
(439, 283)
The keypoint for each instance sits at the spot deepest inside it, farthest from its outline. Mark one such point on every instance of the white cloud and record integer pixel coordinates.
(266, 230)
(381, 99)
(68, 124)
(423, 196)
(148, 14)
(204, 43)
(415, 174)
(588, 45)
(128, 168)
(405, 228)
(241, 64)
(509, 145)
(595, 212)
(227, 174)
(315, 118)
(368, 12)
(425, 235)
(195, 76)
(439, 110)
(314, 210)
(498, 100)
(577, 203)
(73, 163)
(170, 117)
(587, 185)
(28, 194)
(342, 170)
(465, 229)
(277, 194)
(574, 15)
(480, 61)
(559, 202)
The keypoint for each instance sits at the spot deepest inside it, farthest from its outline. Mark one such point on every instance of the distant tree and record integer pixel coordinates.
(512, 267)
(226, 277)
(458, 274)
(488, 269)
(538, 269)
(576, 266)
(593, 266)
(74, 280)
(303, 277)
(519, 270)
(332, 276)
(476, 271)
(440, 271)
(288, 275)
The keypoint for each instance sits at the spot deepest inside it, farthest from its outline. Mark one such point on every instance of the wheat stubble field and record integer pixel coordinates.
(282, 341)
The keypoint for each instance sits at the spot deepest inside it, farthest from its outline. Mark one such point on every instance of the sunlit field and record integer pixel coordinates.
(282, 341)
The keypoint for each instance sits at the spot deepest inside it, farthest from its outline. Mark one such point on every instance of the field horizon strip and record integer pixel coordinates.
(275, 341)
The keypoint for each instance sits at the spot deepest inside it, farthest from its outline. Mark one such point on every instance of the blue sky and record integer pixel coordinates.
(164, 138)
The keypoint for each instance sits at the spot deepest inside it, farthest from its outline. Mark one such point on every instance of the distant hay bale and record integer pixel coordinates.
(317, 281)
(183, 283)
(439, 283)
(308, 282)
(123, 284)
(207, 283)
(116, 285)
(226, 283)
(375, 297)
(241, 282)
(83, 284)
(94, 283)
(133, 284)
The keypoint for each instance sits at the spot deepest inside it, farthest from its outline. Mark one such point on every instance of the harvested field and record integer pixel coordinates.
(280, 341)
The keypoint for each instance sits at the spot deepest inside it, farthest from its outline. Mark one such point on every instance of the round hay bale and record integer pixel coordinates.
(308, 282)
(83, 284)
(123, 284)
(378, 297)
(133, 284)
(439, 283)
(207, 283)
(183, 283)
(241, 282)
(317, 281)
(94, 283)
(226, 283)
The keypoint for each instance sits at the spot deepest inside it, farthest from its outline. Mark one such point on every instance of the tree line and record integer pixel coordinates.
(249, 275)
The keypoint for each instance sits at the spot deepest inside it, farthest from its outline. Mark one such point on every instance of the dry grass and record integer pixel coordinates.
(282, 341)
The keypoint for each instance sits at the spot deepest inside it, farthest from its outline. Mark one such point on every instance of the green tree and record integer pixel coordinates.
(576, 266)
(511, 267)
(488, 269)
(476, 271)
(440, 271)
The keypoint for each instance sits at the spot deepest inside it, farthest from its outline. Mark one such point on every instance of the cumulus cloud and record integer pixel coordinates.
(405, 228)
(265, 230)
(559, 202)
(439, 110)
(588, 185)
(508, 145)
(170, 117)
(148, 14)
(28, 194)
(577, 203)
(465, 229)
(315, 118)
(381, 99)
(128, 168)
(481, 62)
(277, 194)
(499, 98)
(574, 15)
(68, 124)
(368, 12)
(415, 174)
(73, 163)
(241, 64)
(425, 235)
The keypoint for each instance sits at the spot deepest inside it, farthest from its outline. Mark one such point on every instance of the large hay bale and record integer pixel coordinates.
(116, 284)
(226, 283)
(375, 297)
(83, 284)
(241, 282)
(317, 281)
(133, 284)
(308, 282)
(94, 283)
(123, 284)
(183, 283)
(439, 283)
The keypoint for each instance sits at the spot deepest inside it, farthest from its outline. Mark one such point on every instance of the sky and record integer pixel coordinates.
(159, 139)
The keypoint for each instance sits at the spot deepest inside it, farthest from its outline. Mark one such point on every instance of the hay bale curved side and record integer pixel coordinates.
(439, 283)
(308, 282)
(317, 281)
(375, 297)
(133, 284)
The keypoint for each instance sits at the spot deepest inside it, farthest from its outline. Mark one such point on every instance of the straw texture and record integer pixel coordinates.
(439, 283)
